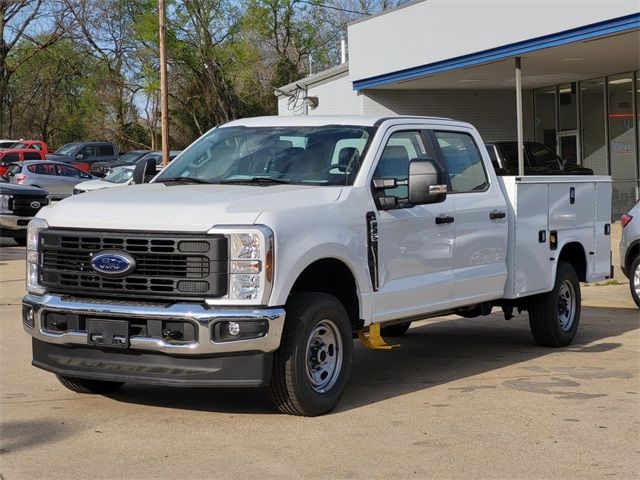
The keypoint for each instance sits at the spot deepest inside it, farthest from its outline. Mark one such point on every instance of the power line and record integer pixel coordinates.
(331, 7)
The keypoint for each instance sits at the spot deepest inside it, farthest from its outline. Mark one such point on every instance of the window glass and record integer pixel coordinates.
(289, 154)
(66, 171)
(594, 141)
(42, 169)
(32, 156)
(11, 157)
(545, 117)
(105, 150)
(541, 156)
(394, 161)
(622, 142)
(88, 151)
(463, 160)
(67, 149)
(568, 106)
(119, 175)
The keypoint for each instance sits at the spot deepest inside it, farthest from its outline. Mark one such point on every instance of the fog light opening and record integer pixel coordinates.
(231, 330)
(234, 328)
(28, 316)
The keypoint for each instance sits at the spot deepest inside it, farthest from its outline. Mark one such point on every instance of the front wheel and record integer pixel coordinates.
(554, 316)
(312, 366)
(634, 280)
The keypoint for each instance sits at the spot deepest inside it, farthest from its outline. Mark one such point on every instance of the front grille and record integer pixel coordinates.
(167, 265)
(22, 204)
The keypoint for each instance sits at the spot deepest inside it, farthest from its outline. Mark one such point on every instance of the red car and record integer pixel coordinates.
(12, 155)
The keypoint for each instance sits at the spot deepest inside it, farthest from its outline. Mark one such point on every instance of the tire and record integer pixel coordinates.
(554, 316)
(22, 241)
(634, 280)
(83, 385)
(312, 366)
(397, 330)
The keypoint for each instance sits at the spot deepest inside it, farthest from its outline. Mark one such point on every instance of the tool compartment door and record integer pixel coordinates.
(601, 266)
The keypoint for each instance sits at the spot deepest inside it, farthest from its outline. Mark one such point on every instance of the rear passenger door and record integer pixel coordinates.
(480, 247)
(415, 249)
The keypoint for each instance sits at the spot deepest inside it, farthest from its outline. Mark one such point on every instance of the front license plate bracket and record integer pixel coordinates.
(108, 333)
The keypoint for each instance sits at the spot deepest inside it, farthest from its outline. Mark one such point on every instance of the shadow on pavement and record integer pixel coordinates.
(31, 433)
(8, 253)
(433, 354)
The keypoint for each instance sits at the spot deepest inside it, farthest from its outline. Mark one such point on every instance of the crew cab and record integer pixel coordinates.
(13, 155)
(85, 153)
(256, 256)
(33, 145)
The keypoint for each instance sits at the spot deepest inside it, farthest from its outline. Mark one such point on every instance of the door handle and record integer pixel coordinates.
(444, 219)
(496, 214)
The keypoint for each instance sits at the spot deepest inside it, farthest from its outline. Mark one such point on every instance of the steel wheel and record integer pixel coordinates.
(566, 305)
(324, 356)
(636, 279)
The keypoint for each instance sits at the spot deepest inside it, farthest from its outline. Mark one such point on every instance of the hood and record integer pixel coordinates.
(91, 185)
(186, 208)
(16, 189)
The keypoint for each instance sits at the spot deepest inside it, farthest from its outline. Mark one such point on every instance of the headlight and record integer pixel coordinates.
(250, 264)
(33, 255)
(6, 203)
(76, 191)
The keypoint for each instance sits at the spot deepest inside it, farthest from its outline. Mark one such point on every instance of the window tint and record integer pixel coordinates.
(42, 169)
(66, 171)
(541, 156)
(31, 156)
(11, 157)
(394, 161)
(463, 160)
(105, 150)
(88, 151)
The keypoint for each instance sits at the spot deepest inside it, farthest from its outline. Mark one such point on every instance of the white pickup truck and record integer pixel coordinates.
(268, 245)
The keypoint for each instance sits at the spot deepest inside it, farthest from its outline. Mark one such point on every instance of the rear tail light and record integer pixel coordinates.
(21, 177)
(625, 219)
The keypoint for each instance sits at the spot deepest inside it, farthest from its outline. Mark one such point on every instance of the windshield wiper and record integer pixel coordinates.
(257, 180)
(185, 180)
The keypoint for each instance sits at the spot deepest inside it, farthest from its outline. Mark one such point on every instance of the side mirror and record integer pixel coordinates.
(144, 169)
(427, 182)
(79, 157)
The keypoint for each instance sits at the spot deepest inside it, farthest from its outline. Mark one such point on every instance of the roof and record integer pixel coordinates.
(320, 120)
(324, 75)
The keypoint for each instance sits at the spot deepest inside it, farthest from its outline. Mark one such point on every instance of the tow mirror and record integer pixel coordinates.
(145, 170)
(427, 182)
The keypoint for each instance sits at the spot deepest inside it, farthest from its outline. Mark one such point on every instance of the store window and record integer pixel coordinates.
(594, 138)
(622, 142)
(567, 106)
(545, 120)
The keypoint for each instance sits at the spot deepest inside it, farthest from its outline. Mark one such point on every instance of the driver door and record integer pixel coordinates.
(415, 244)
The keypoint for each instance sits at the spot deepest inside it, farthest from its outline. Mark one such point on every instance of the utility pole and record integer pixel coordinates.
(164, 95)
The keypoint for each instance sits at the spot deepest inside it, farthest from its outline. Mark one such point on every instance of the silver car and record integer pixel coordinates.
(630, 250)
(56, 178)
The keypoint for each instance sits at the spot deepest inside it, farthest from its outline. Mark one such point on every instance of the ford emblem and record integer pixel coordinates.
(35, 204)
(113, 263)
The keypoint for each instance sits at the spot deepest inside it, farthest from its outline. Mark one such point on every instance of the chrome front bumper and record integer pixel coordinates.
(11, 222)
(203, 317)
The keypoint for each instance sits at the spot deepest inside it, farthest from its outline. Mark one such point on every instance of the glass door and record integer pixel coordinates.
(569, 147)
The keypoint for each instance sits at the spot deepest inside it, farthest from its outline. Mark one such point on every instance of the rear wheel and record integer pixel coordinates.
(312, 366)
(634, 280)
(397, 330)
(84, 385)
(554, 316)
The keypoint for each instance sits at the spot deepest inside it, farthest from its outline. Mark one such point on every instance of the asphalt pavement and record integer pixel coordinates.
(461, 398)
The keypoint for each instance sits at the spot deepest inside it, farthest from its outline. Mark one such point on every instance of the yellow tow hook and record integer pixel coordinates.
(374, 341)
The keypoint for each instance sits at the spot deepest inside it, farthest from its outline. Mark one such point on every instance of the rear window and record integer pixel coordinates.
(32, 156)
(105, 150)
(11, 157)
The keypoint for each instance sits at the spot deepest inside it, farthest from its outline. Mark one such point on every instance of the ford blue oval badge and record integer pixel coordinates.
(113, 263)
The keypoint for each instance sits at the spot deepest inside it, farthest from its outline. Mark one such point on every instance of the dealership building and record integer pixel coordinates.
(561, 72)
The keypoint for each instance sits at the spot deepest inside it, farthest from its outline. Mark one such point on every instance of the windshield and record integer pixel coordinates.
(120, 175)
(66, 149)
(541, 156)
(326, 155)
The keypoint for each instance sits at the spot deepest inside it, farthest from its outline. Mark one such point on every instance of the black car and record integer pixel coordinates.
(85, 152)
(538, 160)
(18, 205)
(100, 169)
